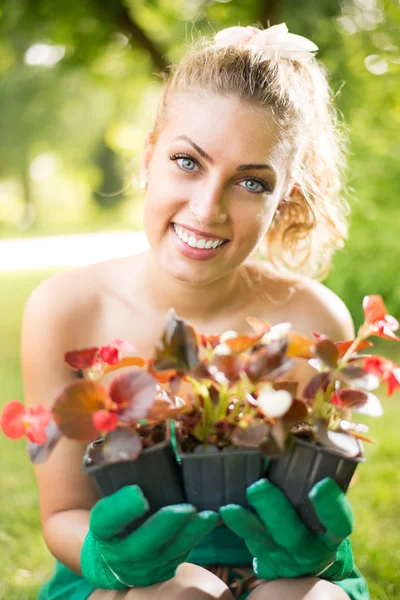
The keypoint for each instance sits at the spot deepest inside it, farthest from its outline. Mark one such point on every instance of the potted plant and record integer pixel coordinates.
(125, 424)
(241, 412)
(225, 400)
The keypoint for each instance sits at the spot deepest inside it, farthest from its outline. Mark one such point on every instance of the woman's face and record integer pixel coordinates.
(214, 177)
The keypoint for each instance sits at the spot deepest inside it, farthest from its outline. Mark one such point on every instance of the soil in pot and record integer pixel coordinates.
(213, 477)
(156, 471)
(303, 465)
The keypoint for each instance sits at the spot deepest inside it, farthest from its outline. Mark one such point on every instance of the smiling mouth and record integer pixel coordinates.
(201, 242)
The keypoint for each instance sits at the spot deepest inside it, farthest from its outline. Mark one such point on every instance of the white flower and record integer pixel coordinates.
(274, 403)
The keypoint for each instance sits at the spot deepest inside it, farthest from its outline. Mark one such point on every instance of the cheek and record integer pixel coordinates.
(255, 223)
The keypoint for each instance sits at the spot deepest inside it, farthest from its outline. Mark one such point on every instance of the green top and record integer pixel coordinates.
(221, 546)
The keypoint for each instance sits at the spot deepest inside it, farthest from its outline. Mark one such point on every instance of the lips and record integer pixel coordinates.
(195, 241)
(200, 250)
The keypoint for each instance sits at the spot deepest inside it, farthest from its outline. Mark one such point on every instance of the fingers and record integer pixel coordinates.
(249, 527)
(333, 510)
(159, 530)
(111, 514)
(279, 517)
(284, 524)
(189, 535)
(261, 545)
(242, 521)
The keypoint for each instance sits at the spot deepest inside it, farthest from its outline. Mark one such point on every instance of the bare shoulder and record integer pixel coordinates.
(75, 294)
(308, 304)
(58, 305)
(326, 312)
(63, 312)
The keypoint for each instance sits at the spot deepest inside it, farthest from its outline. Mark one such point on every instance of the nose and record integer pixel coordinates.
(209, 205)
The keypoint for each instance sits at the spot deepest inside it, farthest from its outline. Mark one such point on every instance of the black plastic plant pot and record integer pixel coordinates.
(156, 471)
(303, 465)
(214, 478)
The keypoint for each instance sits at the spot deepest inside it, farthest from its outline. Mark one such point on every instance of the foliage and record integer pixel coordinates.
(238, 393)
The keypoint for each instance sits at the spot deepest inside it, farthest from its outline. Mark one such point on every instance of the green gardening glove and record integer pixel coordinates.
(150, 554)
(282, 545)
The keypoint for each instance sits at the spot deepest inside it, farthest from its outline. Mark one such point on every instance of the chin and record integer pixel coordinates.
(191, 274)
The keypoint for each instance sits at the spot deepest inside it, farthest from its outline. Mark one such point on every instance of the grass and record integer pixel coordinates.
(26, 562)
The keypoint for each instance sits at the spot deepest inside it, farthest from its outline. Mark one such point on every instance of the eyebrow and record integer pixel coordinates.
(207, 157)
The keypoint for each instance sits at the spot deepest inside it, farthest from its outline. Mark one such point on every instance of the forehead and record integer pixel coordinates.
(226, 126)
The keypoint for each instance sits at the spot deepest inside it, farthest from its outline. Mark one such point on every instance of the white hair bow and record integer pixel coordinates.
(275, 41)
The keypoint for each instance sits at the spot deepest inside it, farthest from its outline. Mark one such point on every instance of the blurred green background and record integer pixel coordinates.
(79, 86)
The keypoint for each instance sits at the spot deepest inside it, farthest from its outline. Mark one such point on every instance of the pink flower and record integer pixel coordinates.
(387, 371)
(378, 322)
(104, 420)
(18, 420)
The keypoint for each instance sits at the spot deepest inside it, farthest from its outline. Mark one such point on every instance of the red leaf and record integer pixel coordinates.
(260, 327)
(326, 350)
(269, 361)
(374, 309)
(393, 381)
(134, 393)
(315, 383)
(178, 347)
(74, 408)
(300, 346)
(344, 346)
(298, 412)
(165, 407)
(349, 398)
(242, 342)
(82, 359)
(230, 365)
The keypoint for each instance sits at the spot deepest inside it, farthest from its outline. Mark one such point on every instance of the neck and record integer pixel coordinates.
(198, 303)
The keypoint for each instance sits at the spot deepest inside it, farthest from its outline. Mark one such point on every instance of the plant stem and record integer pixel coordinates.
(349, 352)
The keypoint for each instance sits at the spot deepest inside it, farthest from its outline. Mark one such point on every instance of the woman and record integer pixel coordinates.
(244, 155)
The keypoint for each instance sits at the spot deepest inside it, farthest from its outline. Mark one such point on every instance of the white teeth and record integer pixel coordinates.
(193, 241)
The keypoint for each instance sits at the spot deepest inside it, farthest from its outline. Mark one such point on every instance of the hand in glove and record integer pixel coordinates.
(150, 554)
(282, 545)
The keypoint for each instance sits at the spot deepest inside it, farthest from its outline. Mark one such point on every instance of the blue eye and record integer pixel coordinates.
(255, 186)
(185, 162)
(188, 164)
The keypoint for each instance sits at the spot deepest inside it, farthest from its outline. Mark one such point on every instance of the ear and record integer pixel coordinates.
(146, 157)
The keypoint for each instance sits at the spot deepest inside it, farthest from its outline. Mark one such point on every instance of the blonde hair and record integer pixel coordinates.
(312, 223)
